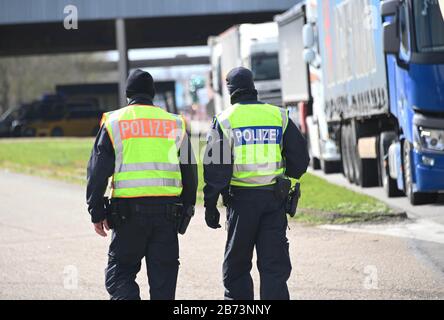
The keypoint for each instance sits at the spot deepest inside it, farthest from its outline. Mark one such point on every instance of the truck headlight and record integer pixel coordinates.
(431, 139)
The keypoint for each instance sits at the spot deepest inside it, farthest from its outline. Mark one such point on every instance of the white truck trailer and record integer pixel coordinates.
(302, 87)
(254, 46)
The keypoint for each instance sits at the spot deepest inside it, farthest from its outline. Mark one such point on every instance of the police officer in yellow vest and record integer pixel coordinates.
(147, 152)
(250, 145)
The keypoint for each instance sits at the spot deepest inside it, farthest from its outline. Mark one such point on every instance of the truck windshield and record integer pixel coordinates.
(429, 23)
(265, 67)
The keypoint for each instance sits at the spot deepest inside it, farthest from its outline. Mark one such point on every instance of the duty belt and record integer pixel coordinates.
(156, 208)
(238, 188)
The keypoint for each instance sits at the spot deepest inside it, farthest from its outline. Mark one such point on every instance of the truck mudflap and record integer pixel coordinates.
(428, 172)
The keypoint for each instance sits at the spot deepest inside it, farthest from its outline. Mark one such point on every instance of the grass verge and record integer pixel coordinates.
(66, 159)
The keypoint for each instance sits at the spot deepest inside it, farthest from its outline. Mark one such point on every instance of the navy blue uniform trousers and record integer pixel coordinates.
(256, 218)
(144, 235)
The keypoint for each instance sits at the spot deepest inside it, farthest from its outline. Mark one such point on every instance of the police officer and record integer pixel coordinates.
(148, 153)
(250, 146)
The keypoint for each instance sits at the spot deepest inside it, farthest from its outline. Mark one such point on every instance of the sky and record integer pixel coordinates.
(178, 72)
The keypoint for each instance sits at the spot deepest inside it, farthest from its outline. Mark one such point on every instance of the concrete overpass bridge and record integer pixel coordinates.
(37, 26)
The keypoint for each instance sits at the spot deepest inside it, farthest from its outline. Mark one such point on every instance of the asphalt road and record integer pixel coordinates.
(48, 250)
(424, 229)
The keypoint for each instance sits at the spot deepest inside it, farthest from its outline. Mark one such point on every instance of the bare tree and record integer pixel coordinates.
(4, 89)
(24, 79)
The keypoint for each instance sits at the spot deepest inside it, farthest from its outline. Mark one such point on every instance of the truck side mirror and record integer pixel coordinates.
(308, 36)
(390, 38)
(309, 56)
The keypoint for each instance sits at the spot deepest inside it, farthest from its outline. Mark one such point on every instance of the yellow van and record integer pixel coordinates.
(57, 120)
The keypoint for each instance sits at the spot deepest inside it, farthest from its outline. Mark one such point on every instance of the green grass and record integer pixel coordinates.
(61, 158)
(66, 159)
(318, 194)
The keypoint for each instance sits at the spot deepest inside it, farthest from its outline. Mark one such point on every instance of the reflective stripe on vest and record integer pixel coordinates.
(146, 142)
(146, 182)
(255, 133)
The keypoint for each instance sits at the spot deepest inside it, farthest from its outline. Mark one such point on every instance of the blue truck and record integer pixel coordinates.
(383, 85)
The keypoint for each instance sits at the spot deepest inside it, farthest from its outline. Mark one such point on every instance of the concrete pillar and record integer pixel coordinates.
(123, 59)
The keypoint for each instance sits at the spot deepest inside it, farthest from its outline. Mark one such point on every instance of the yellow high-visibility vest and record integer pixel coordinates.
(255, 133)
(146, 142)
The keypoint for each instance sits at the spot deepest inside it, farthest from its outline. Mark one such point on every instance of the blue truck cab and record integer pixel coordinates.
(413, 40)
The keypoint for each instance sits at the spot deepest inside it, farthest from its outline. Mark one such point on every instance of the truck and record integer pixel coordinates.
(6, 120)
(302, 90)
(254, 46)
(383, 86)
(55, 116)
(74, 110)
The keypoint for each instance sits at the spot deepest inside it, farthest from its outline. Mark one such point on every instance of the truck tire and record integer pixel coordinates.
(314, 162)
(330, 166)
(388, 183)
(17, 131)
(354, 157)
(29, 132)
(348, 153)
(366, 170)
(415, 198)
(344, 158)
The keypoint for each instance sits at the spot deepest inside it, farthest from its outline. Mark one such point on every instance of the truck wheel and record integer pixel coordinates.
(415, 198)
(352, 151)
(330, 166)
(368, 172)
(57, 132)
(29, 132)
(314, 162)
(389, 184)
(17, 131)
(358, 164)
(344, 158)
(351, 170)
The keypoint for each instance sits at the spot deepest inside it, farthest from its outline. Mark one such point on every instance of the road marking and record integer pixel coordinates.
(421, 229)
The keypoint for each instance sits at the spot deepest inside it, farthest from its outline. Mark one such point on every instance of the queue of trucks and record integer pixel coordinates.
(364, 80)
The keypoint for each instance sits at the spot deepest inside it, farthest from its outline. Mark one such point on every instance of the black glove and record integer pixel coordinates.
(212, 217)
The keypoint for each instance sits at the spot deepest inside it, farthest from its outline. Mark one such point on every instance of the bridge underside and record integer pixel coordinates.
(121, 35)
(48, 38)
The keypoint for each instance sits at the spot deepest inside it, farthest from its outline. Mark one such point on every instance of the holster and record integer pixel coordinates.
(290, 196)
(293, 199)
(282, 188)
(117, 212)
(180, 215)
